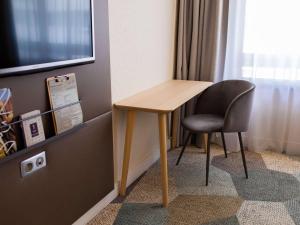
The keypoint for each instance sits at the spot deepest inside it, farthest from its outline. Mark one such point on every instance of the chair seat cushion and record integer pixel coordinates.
(203, 123)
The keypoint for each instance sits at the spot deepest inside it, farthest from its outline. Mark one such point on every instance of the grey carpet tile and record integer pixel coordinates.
(264, 213)
(267, 185)
(144, 214)
(228, 221)
(234, 164)
(297, 175)
(190, 179)
(270, 195)
(293, 207)
(175, 222)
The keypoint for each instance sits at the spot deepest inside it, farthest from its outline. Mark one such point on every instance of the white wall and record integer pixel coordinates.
(142, 34)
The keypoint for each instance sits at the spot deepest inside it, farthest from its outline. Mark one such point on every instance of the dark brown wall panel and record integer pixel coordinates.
(29, 91)
(78, 174)
(79, 170)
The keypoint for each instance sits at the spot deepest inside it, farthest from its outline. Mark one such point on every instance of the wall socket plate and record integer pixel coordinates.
(33, 164)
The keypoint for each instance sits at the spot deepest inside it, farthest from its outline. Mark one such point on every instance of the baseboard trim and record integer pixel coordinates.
(132, 176)
(83, 220)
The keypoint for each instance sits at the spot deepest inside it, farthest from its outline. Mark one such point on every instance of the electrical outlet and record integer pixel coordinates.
(33, 164)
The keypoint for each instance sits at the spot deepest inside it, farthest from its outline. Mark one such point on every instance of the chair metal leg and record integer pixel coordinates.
(208, 158)
(243, 154)
(224, 144)
(183, 148)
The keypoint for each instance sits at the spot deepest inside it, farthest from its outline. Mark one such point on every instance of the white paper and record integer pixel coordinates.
(62, 92)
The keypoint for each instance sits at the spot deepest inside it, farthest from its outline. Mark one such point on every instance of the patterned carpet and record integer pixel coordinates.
(271, 195)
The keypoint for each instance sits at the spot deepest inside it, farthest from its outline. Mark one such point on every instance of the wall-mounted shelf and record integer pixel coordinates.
(41, 114)
(45, 142)
(41, 144)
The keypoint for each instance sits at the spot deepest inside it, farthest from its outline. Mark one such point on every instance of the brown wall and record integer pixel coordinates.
(79, 170)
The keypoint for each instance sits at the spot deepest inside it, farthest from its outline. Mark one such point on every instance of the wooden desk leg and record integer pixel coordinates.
(162, 118)
(175, 120)
(127, 150)
(205, 140)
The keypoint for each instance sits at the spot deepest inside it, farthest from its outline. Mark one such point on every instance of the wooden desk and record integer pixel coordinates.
(161, 99)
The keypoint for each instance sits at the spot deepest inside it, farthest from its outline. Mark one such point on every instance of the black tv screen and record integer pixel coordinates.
(43, 34)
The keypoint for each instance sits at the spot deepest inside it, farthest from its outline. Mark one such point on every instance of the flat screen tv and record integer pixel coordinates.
(40, 35)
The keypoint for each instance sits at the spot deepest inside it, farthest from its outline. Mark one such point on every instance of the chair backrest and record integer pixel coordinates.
(231, 99)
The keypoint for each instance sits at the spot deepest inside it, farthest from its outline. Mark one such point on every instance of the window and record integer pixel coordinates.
(271, 40)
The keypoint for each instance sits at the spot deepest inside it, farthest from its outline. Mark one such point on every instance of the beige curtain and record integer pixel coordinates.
(201, 42)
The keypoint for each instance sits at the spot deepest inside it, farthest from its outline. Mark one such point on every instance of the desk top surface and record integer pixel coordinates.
(165, 97)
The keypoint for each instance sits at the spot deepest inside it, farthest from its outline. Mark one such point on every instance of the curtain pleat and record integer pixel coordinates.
(201, 43)
(201, 38)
